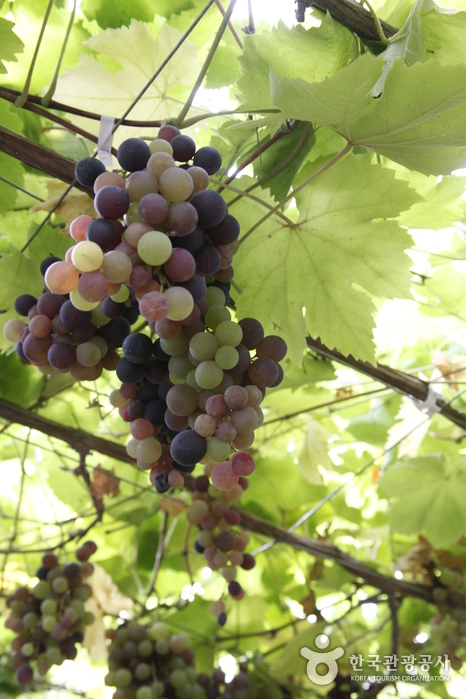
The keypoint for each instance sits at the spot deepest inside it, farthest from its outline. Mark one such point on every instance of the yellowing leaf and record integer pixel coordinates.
(419, 121)
(343, 237)
(73, 205)
(106, 599)
(92, 86)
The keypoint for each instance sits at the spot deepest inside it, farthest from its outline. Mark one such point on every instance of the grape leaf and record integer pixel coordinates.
(334, 245)
(9, 42)
(425, 500)
(282, 152)
(419, 121)
(115, 13)
(315, 453)
(407, 44)
(18, 275)
(92, 86)
(311, 54)
(440, 29)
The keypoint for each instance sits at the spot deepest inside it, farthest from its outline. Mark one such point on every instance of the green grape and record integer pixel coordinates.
(218, 450)
(191, 380)
(48, 606)
(178, 678)
(98, 317)
(78, 606)
(30, 621)
(121, 295)
(54, 655)
(88, 618)
(215, 296)
(159, 631)
(82, 593)
(71, 614)
(87, 256)
(123, 678)
(149, 450)
(48, 622)
(162, 647)
(176, 347)
(229, 333)
(60, 585)
(144, 692)
(80, 303)
(208, 374)
(180, 366)
(27, 650)
(154, 248)
(226, 357)
(216, 315)
(145, 648)
(203, 346)
(142, 671)
(175, 184)
(109, 679)
(41, 590)
(181, 302)
(159, 145)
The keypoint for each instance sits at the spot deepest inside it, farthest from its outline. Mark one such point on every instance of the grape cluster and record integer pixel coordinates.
(49, 620)
(219, 540)
(147, 662)
(194, 393)
(448, 631)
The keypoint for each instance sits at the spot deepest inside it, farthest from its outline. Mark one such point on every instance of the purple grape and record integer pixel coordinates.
(87, 171)
(208, 158)
(133, 154)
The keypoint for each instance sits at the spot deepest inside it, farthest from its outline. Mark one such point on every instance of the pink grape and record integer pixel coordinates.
(154, 306)
(243, 463)
(223, 476)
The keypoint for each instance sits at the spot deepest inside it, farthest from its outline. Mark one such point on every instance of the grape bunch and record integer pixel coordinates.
(49, 620)
(147, 662)
(219, 540)
(192, 388)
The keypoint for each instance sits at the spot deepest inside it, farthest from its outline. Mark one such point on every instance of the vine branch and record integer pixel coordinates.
(352, 16)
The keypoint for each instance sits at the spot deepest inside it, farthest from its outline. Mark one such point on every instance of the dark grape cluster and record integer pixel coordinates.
(219, 539)
(49, 619)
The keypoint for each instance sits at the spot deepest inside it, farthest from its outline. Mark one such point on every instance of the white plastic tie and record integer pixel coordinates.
(104, 142)
(429, 406)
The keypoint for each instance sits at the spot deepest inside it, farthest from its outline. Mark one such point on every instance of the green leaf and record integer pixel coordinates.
(281, 152)
(115, 13)
(10, 167)
(18, 275)
(315, 452)
(19, 383)
(9, 42)
(419, 121)
(311, 54)
(312, 371)
(443, 35)
(425, 500)
(335, 244)
(407, 44)
(443, 205)
(92, 86)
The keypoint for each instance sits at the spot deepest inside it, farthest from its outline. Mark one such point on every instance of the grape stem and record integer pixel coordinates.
(158, 557)
(24, 94)
(293, 193)
(230, 24)
(53, 84)
(208, 61)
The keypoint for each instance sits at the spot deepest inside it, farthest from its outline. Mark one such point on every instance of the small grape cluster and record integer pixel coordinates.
(49, 620)
(221, 543)
(449, 630)
(147, 662)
